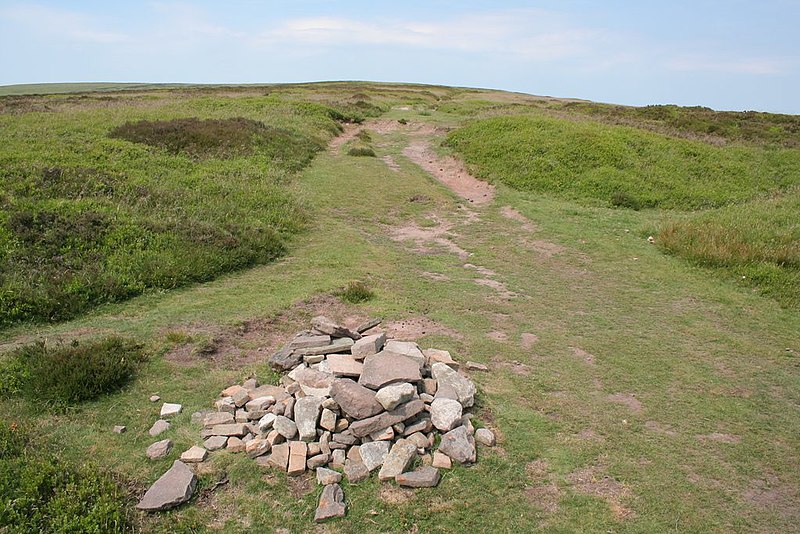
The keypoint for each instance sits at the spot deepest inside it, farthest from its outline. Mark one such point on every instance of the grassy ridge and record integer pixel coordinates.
(89, 219)
(619, 165)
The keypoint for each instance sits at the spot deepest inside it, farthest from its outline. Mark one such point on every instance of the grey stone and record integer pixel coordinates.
(195, 454)
(372, 323)
(298, 452)
(427, 399)
(338, 458)
(354, 399)
(355, 471)
(446, 376)
(423, 425)
(285, 427)
(175, 487)
(225, 405)
(398, 460)
(367, 346)
(441, 460)
(308, 341)
(218, 418)
(328, 476)
(383, 420)
(327, 326)
(319, 460)
(331, 503)
(344, 365)
(241, 416)
(345, 437)
(276, 392)
(424, 477)
(373, 454)
(257, 447)
(475, 366)
(215, 443)
(259, 403)
(170, 409)
(250, 384)
(306, 415)
(394, 395)
(235, 445)
(419, 439)
(433, 356)
(312, 381)
(279, 457)
(406, 348)
(385, 368)
(337, 345)
(240, 397)
(266, 422)
(285, 359)
(484, 436)
(154, 398)
(311, 359)
(233, 429)
(159, 449)
(459, 445)
(327, 420)
(199, 417)
(446, 414)
(119, 429)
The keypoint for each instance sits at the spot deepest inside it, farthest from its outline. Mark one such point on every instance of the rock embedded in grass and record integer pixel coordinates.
(176, 486)
(424, 477)
(331, 503)
(170, 409)
(159, 449)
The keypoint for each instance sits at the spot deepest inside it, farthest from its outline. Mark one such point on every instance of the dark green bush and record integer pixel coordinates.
(356, 292)
(80, 371)
(361, 152)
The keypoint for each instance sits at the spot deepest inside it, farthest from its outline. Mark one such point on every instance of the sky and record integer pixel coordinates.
(736, 55)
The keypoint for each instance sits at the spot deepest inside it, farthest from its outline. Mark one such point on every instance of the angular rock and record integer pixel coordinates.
(424, 477)
(297, 458)
(342, 425)
(170, 410)
(459, 445)
(433, 356)
(230, 390)
(484, 436)
(367, 346)
(311, 359)
(312, 381)
(327, 420)
(346, 437)
(235, 445)
(372, 323)
(215, 443)
(176, 486)
(309, 341)
(306, 415)
(225, 405)
(383, 420)
(328, 476)
(423, 425)
(344, 365)
(154, 398)
(398, 460)
(285, 427)
(259, 403)
(285, 359)
(475, 366)
(319, 460)
(387, 434)
(445, 414)
(233, 429)
(257, 447)
(276, 392)
(374, 454)
(331, 503)
(447, 377)
(385, 368)
(355, 471)
(250, 384)
(274, 437)
(427, 399)
(338, 459)
(266, 422)
(194, 455)
(327, 326)
(419, 439)
(394, 395)
(159, 427)
(337, 345)
(218, 418)
(279, 457)
(429, 386)
(159, 449)
(119, 429)
(241, 397)
(441, 460)
(354, 399)
(406, 348)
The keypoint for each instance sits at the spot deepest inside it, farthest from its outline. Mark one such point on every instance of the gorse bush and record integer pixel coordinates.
(47, 495)
(71, 373)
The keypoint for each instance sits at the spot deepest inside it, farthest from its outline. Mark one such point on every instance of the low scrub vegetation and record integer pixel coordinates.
(619, 165)
(67, 374)
(356, 292)
(46, 494)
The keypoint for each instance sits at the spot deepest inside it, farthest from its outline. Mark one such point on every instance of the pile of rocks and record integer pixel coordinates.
(350, 403)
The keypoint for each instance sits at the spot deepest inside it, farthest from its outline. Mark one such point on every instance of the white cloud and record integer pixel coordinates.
(758, 66)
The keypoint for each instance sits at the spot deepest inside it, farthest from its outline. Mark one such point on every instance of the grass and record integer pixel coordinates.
(706, 361)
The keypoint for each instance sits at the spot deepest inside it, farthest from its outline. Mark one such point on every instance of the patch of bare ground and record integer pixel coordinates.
(436, 277)
(771, 494)
(626, 399)
(583, 355)
(545, 493)
(394, 495)
(498, 286)
(423, 237)
(390, 162)
(595, 482)
(510, 213)
(349, 133)
(527, 340)
(720, 437)
(543, 248)
(254, 340)
(498, 336)
(416, 327)
(482, 270)
(514, 366)
(589, 434)
(300, 486)
(655, 426)
(449, 171)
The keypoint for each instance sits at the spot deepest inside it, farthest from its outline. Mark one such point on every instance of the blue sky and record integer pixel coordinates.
(723, 54)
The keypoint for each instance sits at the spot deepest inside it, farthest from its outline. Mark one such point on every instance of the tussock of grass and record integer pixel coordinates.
(757, 243)
(356, 292)
(361, 151)
(619, 165)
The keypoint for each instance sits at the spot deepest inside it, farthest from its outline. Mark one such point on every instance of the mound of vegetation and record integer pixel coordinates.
(757, 243)
(69, 374)
(619, 165)
(88, 219)
(48, 495)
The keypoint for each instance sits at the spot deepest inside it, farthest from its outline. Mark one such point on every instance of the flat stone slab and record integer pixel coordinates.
(459, 445)
(159, 449)
(367, 346)
(233, 429)
(195, 454)
(344, 365)
(309, 341)
(385, 368)
(306, 415)
(384, 420)
(159, 427)
(175, 487)
(218, 418)
(312, 381)
(331, 503)
(373, 454)
(440, 356)
(285, 359)
(446, 414)
(327, 326)
(394, 395)
(355, 471)
(447, 377)
(214, 443)
(424, 477)
(354, 399)
(337, 345)
(328, 476)
(279, 458)
(170, 410)
(298, 450)
(406, 348)
(398, 460)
